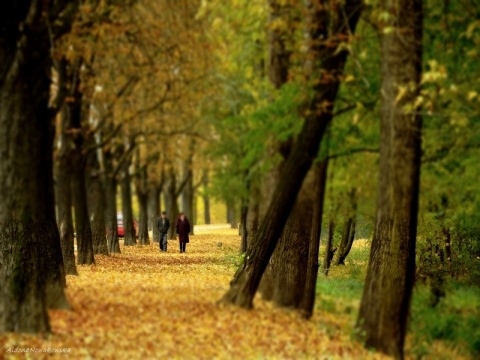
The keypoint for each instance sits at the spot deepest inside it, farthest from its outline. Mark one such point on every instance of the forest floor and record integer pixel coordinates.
(143, 304)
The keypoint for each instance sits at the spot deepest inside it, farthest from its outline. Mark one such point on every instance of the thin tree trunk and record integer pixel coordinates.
(63, 175)
(142, 219)
(340, 260)
(127, 212)
(154, 211)
(110, 182)
(330, 60)
(187, 195)
(385, 305)
(243, 226)
(329, 251)
(253, 213)
(351, 238)
(206, 198)
(231, 214)
(96, 201)
(170, 200)
(32, 276)
(82, 224)
(308, 300)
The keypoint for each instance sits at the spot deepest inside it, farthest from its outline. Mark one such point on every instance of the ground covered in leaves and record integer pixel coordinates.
(143, 304)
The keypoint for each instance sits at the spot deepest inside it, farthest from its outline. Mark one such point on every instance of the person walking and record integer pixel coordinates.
(183, 229)
(163, 225)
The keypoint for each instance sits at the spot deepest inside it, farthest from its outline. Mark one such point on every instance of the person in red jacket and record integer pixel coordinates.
(183, 229)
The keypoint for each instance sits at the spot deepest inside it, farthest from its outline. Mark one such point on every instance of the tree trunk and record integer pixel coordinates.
(187, 196)
(110, 182)
(308, 300)
(206, 198)
(231, 214)
(331, 60)
(64, 197)
(127, 212)
(329, 250)
(79, 190)
(243, 227)
(96, 201)
(32, 276)
(154, 211)
(385, 305)
(253, 213)
(340, 260)
(63, 174)
(143, 237)
(291, 253)
(351, 238)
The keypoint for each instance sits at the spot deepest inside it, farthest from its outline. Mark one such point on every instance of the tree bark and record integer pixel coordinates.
(127, 212)
(332, 60)
(32, 276)
(308, 300)
(385, 305)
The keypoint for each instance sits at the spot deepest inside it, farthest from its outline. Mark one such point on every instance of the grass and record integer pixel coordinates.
(451, 330)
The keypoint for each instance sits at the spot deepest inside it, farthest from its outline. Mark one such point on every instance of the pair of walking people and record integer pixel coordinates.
(183, 229)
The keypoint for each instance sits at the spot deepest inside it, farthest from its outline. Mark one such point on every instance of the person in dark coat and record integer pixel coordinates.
(183, 229)
(163, 225)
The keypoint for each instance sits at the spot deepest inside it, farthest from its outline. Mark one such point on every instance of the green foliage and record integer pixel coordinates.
(455, 320)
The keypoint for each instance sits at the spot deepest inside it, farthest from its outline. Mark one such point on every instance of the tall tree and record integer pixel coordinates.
(385, 305)
(32, 276)
(329, 59)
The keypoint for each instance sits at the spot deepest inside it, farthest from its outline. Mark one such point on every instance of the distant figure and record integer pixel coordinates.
(183, 229)
(163, 225)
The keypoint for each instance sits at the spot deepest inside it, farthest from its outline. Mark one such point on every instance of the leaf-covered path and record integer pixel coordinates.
(143, 304)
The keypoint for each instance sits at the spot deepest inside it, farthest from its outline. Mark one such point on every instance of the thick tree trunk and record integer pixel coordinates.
(96, 201)
(328, 60)
(32, 275)
(206, 198)
(308, 300)
(63, 174)
(110, 183)
(385, 305)
(129, 236)
(291, 253)
(154, 211)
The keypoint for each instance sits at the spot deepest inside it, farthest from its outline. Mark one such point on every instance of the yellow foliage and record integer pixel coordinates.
(143, 304)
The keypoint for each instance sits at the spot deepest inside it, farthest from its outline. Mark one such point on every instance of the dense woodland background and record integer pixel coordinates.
(309, 125)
